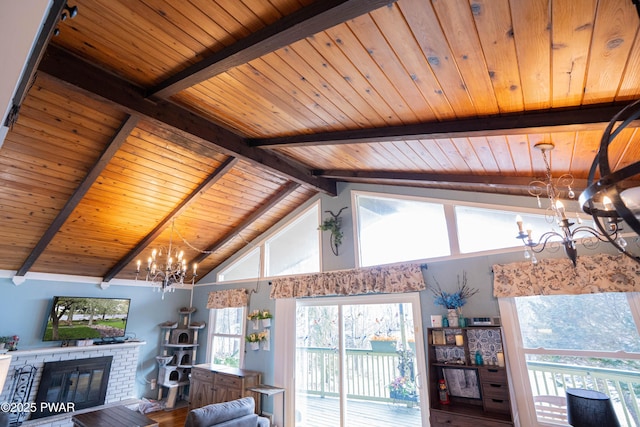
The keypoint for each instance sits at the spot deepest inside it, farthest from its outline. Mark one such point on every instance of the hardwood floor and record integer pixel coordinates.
(174, 418)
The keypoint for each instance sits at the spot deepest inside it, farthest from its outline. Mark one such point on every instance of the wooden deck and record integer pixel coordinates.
(323, 412)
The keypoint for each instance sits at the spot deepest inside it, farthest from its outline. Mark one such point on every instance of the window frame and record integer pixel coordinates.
(282, 229)
(260, 243)
(240, 259)
(450, 218)
(517, 362)
(211, 334)
(356, 228)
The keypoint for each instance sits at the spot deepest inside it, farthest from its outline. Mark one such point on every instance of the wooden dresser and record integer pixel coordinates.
(219, 383)
(479, 394)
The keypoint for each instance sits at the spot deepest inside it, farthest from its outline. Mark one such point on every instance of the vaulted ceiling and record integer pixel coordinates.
(217, 118)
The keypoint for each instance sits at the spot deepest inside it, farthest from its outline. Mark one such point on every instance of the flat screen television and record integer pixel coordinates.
(79, 318)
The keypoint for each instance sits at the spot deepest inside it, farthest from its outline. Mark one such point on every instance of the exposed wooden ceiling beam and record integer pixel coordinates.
(105, 87)
(560, 120)
(305, 22)
(116, 142)
(520, 184)
(46, 31)
(225, 167)
(280, 195)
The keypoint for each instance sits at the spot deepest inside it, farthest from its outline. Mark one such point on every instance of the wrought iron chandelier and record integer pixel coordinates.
(620, 188)
(568, 235)
(165, 277)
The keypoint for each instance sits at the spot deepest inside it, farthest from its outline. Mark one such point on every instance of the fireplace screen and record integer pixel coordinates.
(83, 382)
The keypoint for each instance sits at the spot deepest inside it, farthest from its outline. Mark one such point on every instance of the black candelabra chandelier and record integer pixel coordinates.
(620, 189)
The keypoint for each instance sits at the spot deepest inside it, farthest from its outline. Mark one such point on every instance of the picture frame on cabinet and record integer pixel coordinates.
(462, 382)
(439, 337)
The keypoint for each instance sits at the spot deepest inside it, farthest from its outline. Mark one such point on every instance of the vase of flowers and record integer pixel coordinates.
(453, 302)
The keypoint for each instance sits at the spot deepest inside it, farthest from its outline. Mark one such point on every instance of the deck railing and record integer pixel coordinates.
(549, 381)
(369, 373)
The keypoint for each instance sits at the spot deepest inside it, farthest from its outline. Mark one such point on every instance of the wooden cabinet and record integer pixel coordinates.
(202, 388)
(218, 383)
(478, 394)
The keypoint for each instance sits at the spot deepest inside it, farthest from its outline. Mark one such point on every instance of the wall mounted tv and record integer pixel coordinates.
(79, 318)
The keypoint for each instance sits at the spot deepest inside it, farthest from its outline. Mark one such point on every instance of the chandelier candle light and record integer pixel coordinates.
(165, 277)
(556, 212)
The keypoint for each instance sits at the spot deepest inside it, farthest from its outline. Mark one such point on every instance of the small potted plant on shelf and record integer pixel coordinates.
(12, 343)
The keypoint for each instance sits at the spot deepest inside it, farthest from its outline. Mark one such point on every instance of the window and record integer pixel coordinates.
(296, 248)
(226, 336)
(247, 267)
(393, 229)
(586, 341)
(488, 229)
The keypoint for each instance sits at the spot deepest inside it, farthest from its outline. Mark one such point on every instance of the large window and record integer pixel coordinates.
(296, 248)
(394, 229)
(247, 267)
(482, 229)
(293, 249)
(578, 341)
(226, 336)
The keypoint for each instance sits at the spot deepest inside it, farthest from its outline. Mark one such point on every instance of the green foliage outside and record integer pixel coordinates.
(73, 333)
(232, 361)
(76, 318)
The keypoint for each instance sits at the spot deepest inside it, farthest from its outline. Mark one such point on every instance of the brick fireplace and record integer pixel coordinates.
(121, 385)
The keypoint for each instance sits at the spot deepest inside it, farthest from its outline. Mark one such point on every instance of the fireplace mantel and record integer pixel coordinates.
(55, 350)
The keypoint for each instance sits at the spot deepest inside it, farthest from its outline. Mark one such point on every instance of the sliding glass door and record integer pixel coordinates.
(359, 361)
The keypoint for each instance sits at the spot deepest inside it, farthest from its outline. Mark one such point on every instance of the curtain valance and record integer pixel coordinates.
(593, 274)
(381, 279)
(227, 298)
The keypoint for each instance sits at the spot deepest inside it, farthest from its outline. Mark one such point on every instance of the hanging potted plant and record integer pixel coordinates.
(334, 226)
(254, 317)
(266, 342)
(254, 340)
(265, 317)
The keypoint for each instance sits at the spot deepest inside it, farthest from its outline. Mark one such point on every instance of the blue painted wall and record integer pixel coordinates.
(477, 267)
(25, 310)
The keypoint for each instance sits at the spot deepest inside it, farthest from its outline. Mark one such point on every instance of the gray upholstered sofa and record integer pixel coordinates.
(236, 413)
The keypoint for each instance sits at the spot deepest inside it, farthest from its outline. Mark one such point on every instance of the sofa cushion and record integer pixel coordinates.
(244, 421)
(217, 413)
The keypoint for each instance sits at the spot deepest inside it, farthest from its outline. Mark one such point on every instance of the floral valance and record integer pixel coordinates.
(593, 274)
(228, 298)
(384, 279)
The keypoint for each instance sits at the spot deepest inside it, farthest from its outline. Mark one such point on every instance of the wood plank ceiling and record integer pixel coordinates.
(221, 117)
